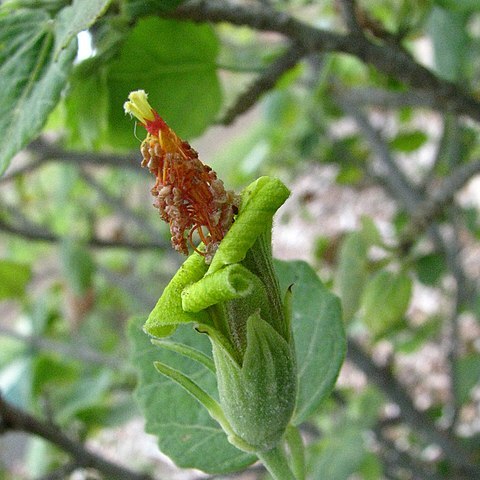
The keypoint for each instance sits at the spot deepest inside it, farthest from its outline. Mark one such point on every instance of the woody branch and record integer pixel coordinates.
(387, 57)
(15, 419)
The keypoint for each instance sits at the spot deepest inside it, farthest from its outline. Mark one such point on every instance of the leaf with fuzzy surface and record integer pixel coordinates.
(318, 332)
(32, 77)
(184, 429)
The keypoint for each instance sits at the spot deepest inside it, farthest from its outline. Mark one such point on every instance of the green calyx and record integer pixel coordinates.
(237, 302)
(258, 397)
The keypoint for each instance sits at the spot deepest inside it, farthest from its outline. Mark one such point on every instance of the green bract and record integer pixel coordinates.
(237, 302)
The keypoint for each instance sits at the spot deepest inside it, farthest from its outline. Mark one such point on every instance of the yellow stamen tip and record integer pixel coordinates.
(138, 106)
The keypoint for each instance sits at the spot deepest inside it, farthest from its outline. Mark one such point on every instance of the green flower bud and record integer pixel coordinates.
(258, 397)
(236, 301)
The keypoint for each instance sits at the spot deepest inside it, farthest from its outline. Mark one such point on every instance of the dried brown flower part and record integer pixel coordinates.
(188, 193)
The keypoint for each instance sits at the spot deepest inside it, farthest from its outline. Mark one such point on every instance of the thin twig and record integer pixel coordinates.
(377, 97)
(119, 205)
(74, 351)
(40, 234)
(265, 82)
(45, 152)
(395, 459)
(397, 181)
(383, 378)
(349, 13)
(16, 419)
(437, 202)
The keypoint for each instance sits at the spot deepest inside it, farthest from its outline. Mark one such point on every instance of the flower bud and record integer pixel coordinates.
(258, 397)
(227, 287)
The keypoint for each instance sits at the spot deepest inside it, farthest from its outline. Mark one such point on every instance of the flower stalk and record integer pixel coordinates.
(276, 463)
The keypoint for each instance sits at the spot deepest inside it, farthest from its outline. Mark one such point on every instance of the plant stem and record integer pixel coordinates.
(276, 463)
(297, 451)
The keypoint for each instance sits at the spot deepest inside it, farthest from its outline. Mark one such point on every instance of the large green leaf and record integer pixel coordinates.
(338, 456)
(13, 278)
(32, 76)
(174, 62)
(451, 42)
(352, 273)
(319, 335)
(81, 15)
(385, 300)
(78, 266)
(185, 431)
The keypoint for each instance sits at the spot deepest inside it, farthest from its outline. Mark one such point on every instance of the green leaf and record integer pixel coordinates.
(430, 268)
(40, 457)
(318, 333)
(415, 338)
(460, 5)
(408, 141)
(108, 413)
(341, 450)
(370, 232)
(338, 456)
(451, 42)
(467, 376)
(87, 120)
(90, 390)
(81, 15)
(138, 8)
(78, 266)
(385, 301)
(32, 77)
(13, 278)
(349, 174)
(168, 312)
(175, 62)
(51, 6)
(185, 430)
(351, 273)
(371, 467)
(51, 371)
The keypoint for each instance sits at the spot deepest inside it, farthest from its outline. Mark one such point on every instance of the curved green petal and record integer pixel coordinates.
(233, 281)
(168, 312)
(260, 201)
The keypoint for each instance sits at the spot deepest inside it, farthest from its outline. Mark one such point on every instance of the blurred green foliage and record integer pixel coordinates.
(79, 258)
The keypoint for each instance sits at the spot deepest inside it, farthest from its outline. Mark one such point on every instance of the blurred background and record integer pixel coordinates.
(383, 161)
